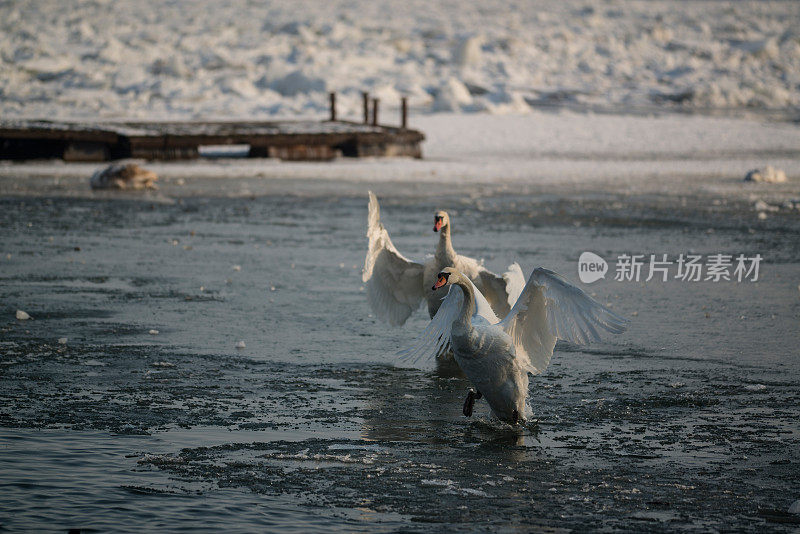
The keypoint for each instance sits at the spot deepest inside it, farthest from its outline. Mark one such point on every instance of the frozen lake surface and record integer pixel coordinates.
(686, 422)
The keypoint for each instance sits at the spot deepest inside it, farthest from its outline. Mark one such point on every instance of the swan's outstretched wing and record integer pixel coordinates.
(435, 339)
(394, 283)
(502, 291)
(551, 308)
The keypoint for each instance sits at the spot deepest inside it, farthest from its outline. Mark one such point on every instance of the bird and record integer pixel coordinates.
(497, 357)
(395, 285)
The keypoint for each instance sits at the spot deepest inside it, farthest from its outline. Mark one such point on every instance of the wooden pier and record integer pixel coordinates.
(285, 140)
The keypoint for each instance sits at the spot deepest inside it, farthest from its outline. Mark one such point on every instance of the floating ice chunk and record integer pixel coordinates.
(62, 341)
(387, 94)
(473, 491)
(237, 267)
(240, 86)
(503, 102)
(240, 345)
(755, 387)
(451, 96)
(760, 205)
(48, 69)
(768, 174)
(349, 446)
(661, 34)
(170, 66)
(298, 83)
(763, 48)
(153, 332)
(437, 482)
(22, 316)
(468, 51)
(795, 507)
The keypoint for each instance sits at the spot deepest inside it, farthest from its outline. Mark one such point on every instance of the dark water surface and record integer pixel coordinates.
(689, 421)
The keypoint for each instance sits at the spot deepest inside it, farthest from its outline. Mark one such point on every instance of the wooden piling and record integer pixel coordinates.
(333, 106)
(375, 111)
(365, 97)
(404, 113)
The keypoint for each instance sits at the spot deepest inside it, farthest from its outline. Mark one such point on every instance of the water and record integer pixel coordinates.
(686, 422)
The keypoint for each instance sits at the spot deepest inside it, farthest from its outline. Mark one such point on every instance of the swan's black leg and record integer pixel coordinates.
(470, 402)
(515, 417)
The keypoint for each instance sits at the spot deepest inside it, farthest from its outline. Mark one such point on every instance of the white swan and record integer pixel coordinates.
(497, 356)
(396, 285)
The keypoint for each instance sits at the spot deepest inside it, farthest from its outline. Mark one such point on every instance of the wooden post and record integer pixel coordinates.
(365, 96)
(374, 111)
(333, 106)
(403, 112)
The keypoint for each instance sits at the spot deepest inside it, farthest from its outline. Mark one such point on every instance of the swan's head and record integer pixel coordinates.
(440, 220)
(445, 277)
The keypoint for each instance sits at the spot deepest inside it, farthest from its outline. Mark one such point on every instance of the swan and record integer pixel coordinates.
(498, 356)
(395, 285)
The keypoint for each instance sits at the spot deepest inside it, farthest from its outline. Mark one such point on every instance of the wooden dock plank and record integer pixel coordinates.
(290, 140)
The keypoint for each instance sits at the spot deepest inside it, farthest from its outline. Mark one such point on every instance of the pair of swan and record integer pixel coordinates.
(495, 355)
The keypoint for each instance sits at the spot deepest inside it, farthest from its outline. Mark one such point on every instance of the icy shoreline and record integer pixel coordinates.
(559, 152)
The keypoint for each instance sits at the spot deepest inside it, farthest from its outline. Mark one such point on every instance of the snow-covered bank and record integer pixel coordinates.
(236, 59)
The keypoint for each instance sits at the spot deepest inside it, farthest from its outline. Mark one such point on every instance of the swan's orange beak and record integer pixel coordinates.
(439, 283)
(437, 224)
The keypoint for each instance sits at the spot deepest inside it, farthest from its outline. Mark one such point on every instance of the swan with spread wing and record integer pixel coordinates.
(497, 356)
(395, 285)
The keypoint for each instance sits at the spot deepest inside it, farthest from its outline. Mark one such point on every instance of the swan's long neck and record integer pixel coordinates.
(468, 307)
(445, 251)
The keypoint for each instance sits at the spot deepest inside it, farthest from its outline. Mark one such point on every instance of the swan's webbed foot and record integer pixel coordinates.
(469, 403)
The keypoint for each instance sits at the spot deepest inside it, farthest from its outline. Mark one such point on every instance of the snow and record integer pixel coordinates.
(241, 59)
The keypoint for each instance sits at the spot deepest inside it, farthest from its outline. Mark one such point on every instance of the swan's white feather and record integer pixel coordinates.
(394, 283)
(435, 339)
(515, 283)
(501, 291)
(551, 308)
